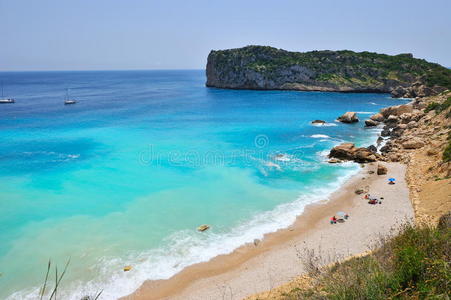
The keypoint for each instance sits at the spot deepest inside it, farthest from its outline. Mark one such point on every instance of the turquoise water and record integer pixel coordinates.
(126, 175)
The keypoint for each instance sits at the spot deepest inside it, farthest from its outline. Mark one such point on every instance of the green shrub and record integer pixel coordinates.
(447, 153)
(415, 264)
(432, 106)
(439, 107)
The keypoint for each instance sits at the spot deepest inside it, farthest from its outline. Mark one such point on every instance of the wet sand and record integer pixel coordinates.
(279, 257)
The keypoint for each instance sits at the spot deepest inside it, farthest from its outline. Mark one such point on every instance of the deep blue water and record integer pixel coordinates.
(126, 175)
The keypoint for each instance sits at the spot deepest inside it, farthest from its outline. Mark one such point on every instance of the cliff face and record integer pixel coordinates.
(260, 67)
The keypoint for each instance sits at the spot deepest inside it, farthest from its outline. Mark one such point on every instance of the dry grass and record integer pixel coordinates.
(415, 264)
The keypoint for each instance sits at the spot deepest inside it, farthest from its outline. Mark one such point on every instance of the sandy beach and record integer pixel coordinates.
(277, 259)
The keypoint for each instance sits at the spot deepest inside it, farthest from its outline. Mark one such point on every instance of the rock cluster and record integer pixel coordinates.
(348, 151)
(349, 117)
(417, 89)
(416, 134)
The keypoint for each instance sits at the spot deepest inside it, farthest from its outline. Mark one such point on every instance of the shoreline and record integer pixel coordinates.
(279, 250)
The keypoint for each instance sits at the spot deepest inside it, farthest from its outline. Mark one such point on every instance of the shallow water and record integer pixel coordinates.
(126, 175)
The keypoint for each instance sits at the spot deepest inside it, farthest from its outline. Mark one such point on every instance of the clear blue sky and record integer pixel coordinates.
(178, 34)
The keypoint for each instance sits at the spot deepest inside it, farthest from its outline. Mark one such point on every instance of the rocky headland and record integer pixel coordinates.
(262, 67)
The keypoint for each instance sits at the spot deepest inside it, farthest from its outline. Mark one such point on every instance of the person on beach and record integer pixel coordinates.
(333, 220)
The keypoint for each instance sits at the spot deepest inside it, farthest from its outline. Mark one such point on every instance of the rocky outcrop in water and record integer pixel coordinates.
(348, 117)
(348, 151)
(260, 67)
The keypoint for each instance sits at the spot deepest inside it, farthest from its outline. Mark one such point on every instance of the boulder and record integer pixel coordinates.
(399, 92)
(413, 144)
(318, 122)
(381, 170)
(348, 151)
(377, 117)
(412, 124)
(385, 132)
(363, 155)
(372, 148)
(405, 117)
(371, 123)
(202, 228)
(127, 268)
(343, 151)
(396, 132)
(392, 119)
(349, 117)
(396, 110)
(387, 147)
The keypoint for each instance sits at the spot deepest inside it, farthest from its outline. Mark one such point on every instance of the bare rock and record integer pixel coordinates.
(372, 148)
(349, 117)
(396, 110)
(432, 152)
(413, 144)
(343, 151)
(412, 124)
(363, 155)
(318, 122)
(377, 117)
(371, 123)
(381, 170)
(395, 157)
(392, 119)
(385, 132)
(405, 118)
(348, 151)
(334, 161)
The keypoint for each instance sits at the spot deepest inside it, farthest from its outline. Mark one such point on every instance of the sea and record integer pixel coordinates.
(126, 175)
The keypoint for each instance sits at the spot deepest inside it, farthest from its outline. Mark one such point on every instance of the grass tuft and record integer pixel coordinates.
(415, 264)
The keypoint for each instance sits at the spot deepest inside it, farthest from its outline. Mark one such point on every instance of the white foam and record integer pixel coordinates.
(324, 124)
(366, 112)
(273, 165)
(187, 247)
(282, 157)
(320, 136)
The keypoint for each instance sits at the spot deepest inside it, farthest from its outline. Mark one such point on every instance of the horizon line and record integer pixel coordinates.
(100, 70)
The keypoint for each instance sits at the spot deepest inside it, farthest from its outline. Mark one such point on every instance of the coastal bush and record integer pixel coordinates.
(415, 264)
(447, 152)
(439, 107)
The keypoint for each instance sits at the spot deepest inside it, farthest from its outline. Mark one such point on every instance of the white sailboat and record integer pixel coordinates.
(4, 100)
(69, 101)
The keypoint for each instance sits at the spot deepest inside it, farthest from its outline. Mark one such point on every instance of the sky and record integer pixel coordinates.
(179, 34)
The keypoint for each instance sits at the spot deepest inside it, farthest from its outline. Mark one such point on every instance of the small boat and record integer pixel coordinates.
(69, 101)
(4, 100)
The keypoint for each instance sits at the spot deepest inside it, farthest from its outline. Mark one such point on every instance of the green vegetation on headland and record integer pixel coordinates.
(415, 264)
(262, 67)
